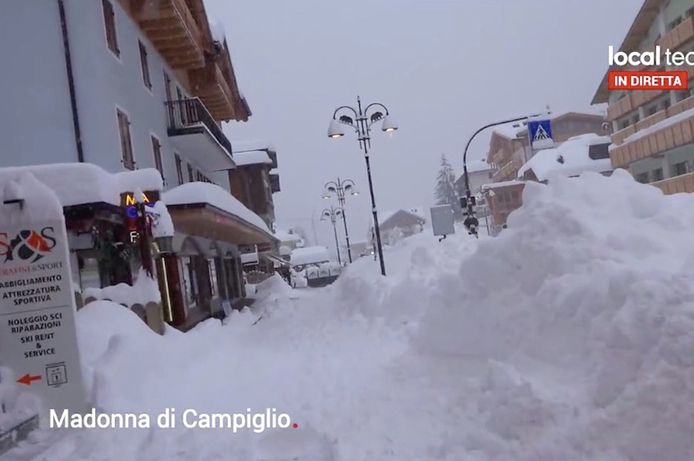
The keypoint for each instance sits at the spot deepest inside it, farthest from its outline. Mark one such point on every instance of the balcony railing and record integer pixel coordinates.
(186, 115)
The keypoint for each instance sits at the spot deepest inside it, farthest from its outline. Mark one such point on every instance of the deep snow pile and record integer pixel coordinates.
(584, 314)
(568, 337)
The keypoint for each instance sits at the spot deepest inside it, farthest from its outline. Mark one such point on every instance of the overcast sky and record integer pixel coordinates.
(442, 67)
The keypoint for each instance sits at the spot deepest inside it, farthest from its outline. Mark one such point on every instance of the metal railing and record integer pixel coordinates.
(191, 112)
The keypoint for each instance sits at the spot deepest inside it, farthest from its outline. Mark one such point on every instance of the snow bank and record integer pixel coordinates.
(309, 255)
(570, 336)
(582, 313)
(145, 290)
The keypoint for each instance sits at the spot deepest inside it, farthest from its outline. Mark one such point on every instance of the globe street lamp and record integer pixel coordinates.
(361, 121)
(333, 214)
(341, 188)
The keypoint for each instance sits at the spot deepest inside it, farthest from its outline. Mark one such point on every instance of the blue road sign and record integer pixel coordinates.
(540, 134)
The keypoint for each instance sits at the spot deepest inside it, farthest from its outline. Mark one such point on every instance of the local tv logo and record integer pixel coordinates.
(677, 80)
(28, 245)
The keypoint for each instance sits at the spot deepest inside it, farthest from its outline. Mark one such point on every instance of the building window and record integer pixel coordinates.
(599, 151)
(145, 66)
(156, 152)
(126, 144)
(190, 286)
(214, 287)
(657, 174)
(110, 23)
(679, 169)
(642, 178)
(191, 176)
(179, 169)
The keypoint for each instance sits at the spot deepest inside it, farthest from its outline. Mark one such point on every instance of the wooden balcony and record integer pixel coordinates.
(619, 108)
(620, 135)
(212, 87)
(679, 35)
(678, 184)
(171, 27)
(653, 144)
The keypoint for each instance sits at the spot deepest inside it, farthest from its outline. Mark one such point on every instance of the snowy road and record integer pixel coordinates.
(568, 337)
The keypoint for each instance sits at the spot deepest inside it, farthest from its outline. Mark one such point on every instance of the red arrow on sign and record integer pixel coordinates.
(28, 379)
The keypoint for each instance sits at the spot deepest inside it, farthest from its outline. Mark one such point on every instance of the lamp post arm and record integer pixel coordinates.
(374, 104)
(354, 111)
(489, 125)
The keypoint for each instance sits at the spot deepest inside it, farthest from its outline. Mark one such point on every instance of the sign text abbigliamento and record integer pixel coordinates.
(38, 338)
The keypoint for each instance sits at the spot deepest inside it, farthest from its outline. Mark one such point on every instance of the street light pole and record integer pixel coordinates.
(361, 123)
(340, 188)
(332, 213)
(471, 223)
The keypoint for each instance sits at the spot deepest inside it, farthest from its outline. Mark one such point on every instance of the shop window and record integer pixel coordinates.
(90, 275)
(680, 168)
(214, 287)
(657, 174)
(110, 24)
(190, 285)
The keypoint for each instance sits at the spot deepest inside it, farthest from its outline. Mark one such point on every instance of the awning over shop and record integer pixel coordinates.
(185, 244)
(204, 220)
(206, 210)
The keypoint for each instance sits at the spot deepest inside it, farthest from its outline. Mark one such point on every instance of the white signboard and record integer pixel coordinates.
(442, 222)
(37, 307)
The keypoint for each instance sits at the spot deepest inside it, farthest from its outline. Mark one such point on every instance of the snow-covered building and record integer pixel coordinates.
(130, 85)
(93, 202)
(397, 224)
(479, 173)
(509, 145)
(289, 241)
(653, 131)
(255, 180)
(577, 155)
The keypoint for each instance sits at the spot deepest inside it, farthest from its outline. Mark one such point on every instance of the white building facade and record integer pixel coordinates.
(117, 102)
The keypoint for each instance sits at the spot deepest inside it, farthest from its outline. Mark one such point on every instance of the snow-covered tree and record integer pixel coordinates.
(444, 192)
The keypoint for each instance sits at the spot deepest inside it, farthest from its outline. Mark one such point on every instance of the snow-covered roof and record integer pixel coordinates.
(253, 157)
(511, 130)
(415, 211)
(309, 255)
(212, 194)
(657, 127)
(284, 236)
(475, 166)
(81, 183)
(245, 146)
(573, 153)
(495, 185)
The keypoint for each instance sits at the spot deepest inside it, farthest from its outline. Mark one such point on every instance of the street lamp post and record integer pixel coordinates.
(341, 188)
(471, 223)
(361, 123)
(333, 213)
